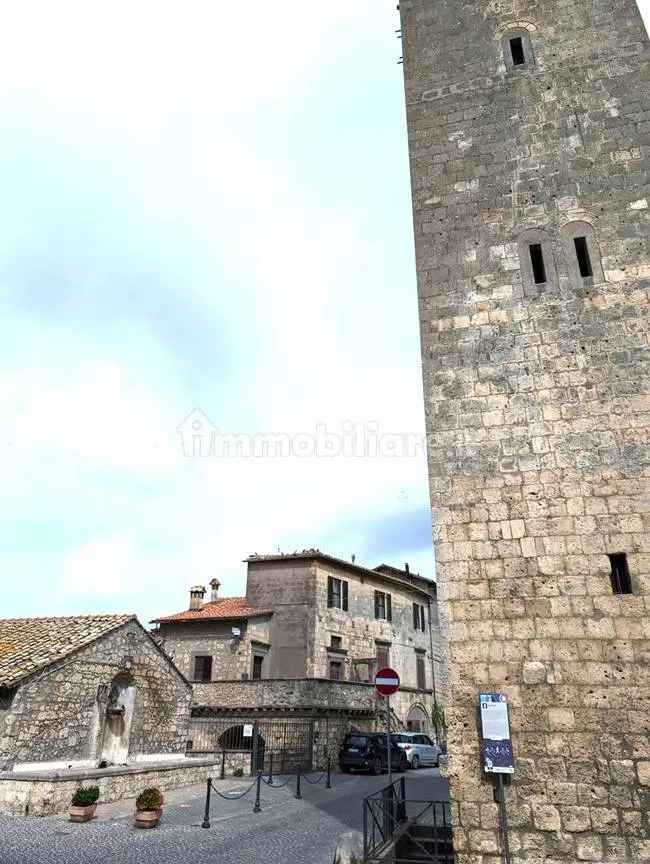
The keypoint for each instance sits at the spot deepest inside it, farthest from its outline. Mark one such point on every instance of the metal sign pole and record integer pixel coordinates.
(388, 759)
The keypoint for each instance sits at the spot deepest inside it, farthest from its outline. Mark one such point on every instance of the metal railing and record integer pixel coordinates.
(418, 830)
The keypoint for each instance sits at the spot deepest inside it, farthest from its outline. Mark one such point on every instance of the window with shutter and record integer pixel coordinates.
(422, 619)
(380, 604)
(389, 608)
(416, 616)
(345, 596)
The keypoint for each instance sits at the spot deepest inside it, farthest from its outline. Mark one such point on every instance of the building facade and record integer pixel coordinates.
(87, 691)
(306, 641)
(528, 129)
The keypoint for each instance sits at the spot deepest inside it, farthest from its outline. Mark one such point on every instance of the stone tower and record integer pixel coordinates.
(529, 134)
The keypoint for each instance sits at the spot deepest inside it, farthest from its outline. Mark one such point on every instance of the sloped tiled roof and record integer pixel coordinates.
(228, 608)
(30, 644)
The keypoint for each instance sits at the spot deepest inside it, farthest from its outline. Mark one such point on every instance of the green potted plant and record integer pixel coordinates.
(148, 808)
(84, 804)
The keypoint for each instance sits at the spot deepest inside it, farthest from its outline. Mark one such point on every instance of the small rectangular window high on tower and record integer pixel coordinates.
(620, 575)
(582, 254)
(537, 263)
(517, 51)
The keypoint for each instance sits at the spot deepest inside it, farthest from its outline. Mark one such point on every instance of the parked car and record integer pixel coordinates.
(366, 751)
(419, 749)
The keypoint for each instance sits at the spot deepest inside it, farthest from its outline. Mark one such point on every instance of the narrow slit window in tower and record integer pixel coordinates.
(620, 575)
(537, 263)
(517, 51)
(582, 253)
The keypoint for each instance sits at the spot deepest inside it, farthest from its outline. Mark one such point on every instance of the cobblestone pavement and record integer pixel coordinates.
(286, 831)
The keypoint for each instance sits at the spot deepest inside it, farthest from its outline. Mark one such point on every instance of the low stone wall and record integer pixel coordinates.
(273, 693)
(46, 793)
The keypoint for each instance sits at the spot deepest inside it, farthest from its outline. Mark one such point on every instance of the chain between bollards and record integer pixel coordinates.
(328, 785)
(206, 815)
(257, 807)
(298, 791)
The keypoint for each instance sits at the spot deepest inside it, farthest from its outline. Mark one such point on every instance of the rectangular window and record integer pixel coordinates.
(537, 263)
(203, 668)
(383, 656)
(383, 606)
(258, 665)
(336, 642)
(582, 254)
(420, 669)
(419, 622)
(620, 575)
(337, 594)
(336, 670)
(517, 51)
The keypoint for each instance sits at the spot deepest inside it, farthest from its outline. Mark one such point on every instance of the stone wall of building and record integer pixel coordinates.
(537, 405)
(58, 714)
(281, 693)
(232, 657)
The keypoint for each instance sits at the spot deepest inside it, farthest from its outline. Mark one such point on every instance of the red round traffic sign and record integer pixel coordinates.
(387, 681)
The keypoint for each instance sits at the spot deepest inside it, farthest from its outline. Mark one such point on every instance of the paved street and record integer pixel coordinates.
(287, 831)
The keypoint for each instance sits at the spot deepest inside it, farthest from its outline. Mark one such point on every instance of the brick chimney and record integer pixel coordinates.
(197, 593)
(214, 590)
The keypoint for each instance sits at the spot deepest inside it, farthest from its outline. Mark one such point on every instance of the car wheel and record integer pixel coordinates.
(415, 763)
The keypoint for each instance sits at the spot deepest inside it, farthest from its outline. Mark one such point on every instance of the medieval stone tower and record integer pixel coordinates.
(529, 134)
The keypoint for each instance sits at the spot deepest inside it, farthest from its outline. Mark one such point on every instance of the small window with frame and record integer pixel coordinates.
(337, 593)
(202, 668)
(383, 606)
(517, 49)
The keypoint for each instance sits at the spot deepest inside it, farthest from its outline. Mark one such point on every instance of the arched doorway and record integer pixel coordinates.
(417, 719)
(118, 717)
(234, 739)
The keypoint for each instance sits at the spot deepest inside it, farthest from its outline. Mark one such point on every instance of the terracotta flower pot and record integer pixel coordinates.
(82, 814)
(147, 818)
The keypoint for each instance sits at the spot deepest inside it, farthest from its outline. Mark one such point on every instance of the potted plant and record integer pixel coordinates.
(84, 804)
(148, 808)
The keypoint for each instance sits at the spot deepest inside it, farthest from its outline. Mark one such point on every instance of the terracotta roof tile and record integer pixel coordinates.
(227, 608)
(30, 644)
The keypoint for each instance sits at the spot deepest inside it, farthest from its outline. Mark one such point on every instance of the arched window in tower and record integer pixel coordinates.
(517, 49)
(537, 260)
(582, 254)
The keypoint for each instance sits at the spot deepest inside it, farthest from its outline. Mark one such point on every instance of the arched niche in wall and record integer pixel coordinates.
(537, 261)
(118, 717)
(582, 252)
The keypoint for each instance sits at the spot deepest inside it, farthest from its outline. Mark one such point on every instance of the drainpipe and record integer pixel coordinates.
(433, 673)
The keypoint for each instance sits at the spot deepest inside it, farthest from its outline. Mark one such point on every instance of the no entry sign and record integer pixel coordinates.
(387, 681)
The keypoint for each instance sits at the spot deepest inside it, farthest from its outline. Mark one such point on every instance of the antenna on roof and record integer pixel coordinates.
(354, 557)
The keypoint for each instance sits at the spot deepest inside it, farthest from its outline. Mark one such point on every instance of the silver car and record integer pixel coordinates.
(419, 749)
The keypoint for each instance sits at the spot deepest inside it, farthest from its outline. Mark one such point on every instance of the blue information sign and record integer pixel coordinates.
(497, 746)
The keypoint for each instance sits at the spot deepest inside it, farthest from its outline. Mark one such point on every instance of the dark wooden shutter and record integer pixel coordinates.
(422, 619)
(330, 592)
(344, 588)
(389, 608)
(420, 672)
(416, 616)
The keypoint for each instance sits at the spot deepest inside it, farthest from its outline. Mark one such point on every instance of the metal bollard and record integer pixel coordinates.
(206, 815)
(328, 785)
(223, 764)
(298, 792)
(257, 807)
(270, 778)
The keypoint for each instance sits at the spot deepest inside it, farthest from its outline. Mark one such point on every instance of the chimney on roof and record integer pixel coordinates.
(197, 593)
(406, 567)
(214, 590)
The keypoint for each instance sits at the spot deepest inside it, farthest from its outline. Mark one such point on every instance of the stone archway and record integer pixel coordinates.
(417, 719)
(118, 717)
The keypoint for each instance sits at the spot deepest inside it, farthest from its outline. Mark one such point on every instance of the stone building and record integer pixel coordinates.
(528, 128)
(77, 692)
(304, 643)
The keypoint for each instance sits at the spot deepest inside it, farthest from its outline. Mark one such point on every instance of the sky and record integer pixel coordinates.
(205, 237)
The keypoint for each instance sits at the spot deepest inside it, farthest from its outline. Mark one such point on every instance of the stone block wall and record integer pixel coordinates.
(538, 407)
(55, 716)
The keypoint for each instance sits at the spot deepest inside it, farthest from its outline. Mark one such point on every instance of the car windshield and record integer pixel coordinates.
(357, 741)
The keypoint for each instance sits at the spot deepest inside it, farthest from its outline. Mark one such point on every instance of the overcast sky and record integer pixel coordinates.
(205, 206)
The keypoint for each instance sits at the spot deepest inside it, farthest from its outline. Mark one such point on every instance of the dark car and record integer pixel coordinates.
(366, 751)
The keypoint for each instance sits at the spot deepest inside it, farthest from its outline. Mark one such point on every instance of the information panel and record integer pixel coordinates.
(497, 746)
